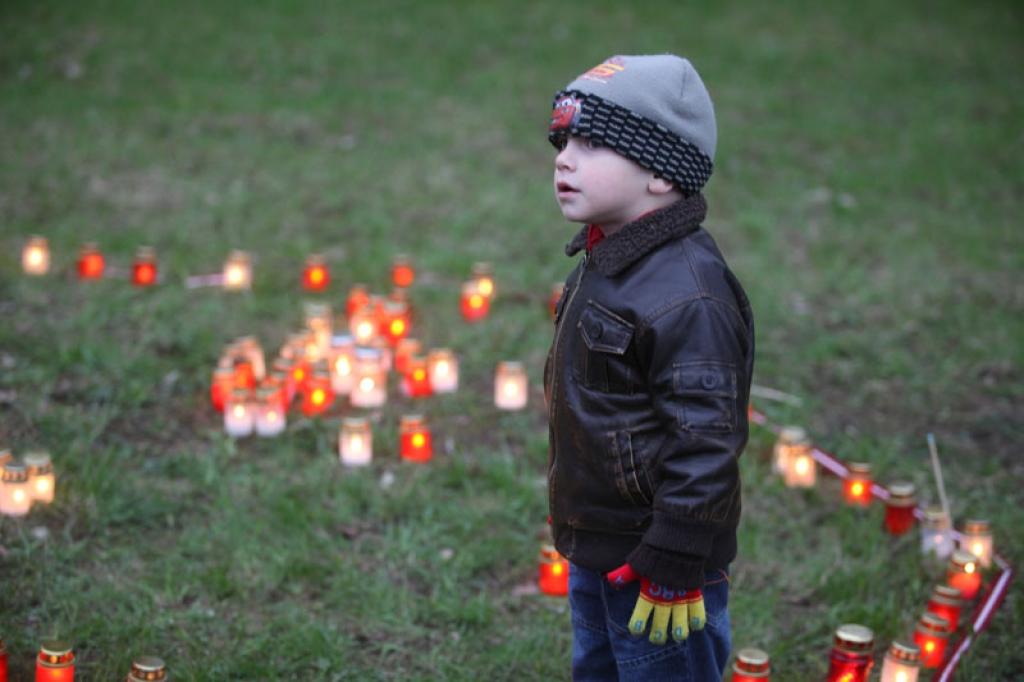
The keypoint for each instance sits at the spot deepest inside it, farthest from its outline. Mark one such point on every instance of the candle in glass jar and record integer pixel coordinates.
(281, 373)
(416, 380)
(315, 275)
(370, 386)
(355, 442)
(358, 297)
(237, 272)
(902, 663)
(363, 325)
(850, 659)
(553, 572)
(474, 304)
(899, 508)
(269, 412)
(318, 396)
(55, 663)
(976, 538)
(791, 438)
(946, 602)
(964, 574)
(406, 349)
(342, 360)
(238, 414)
(35, 256)
(931, 636)
(41, 481)
(318, 322)
(221, 384)
(751, 665)
(15, 494)
(556, 295)
(90, 262)
(799, 470)
(395, 322)
(402, 272)
(483, 274)
(3, 661)
(416, 444)
(510, 386)
(443, 368)
(144, 267)
(857, 486)
(936, 533)
(147, 669)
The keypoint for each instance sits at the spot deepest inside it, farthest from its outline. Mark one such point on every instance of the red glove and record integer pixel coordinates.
(684, 609)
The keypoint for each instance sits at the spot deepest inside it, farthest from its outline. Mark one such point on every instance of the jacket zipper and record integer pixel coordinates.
(558, 336)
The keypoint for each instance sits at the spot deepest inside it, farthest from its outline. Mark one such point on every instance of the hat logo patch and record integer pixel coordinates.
(604, 71)
(565, 114)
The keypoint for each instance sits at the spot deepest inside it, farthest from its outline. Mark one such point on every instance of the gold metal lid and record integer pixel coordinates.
(145, 253)
(977, 527)
(37, 463)
(5, 456)
(14, 472)
(549, 554)
(961, 559)
(945, 594)
(55, 654)
(854, 638)
(934, 624)
(936, 519)
(751, 660)
(902, 490)
(412, 421)
(859, 468)
(794, 435)
(315, 259)
(146, 668)
(355, 422)
(905, 653)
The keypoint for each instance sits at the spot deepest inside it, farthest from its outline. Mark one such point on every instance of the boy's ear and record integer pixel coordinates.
(659, 186)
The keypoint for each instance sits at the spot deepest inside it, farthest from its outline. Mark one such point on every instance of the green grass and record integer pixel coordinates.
(866, 192)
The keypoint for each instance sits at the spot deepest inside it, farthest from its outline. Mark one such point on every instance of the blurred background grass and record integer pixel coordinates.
(867, 192)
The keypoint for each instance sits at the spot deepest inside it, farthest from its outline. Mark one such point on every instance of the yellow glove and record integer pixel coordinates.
(685, 610)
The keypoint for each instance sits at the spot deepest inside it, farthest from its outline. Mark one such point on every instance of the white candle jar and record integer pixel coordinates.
(355, 442)
(40, 476)
(238, 415)
(15, 494)
(370, 386)
(510, 385)
(443, 368)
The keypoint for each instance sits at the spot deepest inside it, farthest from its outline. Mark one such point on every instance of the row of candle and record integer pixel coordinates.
(55, 662)
(792, 457)
(25, 482)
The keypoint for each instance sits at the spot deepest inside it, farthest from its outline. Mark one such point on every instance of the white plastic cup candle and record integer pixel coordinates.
(35, 256)
(370, 386)
(318, 321)
(791, 439)
(238, 414)
(363, 325)
(902, 663)
(936, 533)
(238, 271)
(510, 386)
(269, 415)
(483, 274)
(41, 480)
(15, 494)
(443, 369)
(976, 538)
(355, 442)
(342, 360)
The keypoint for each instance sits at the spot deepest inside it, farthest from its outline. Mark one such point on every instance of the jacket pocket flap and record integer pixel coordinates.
(705, 378)
(603, 330)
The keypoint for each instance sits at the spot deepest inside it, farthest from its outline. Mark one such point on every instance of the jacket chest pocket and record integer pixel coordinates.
(602, 362)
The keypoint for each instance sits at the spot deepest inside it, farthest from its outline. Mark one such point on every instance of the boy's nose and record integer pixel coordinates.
(563, 161)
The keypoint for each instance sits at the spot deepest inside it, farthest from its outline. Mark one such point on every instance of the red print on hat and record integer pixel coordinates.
(604, 71)
(565, 113)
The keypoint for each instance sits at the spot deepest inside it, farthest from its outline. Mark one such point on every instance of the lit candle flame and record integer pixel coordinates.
(238, 411)
(476, 301)
(802, 465)
(418, 440)
(18, 495)
(511, 390)
(364, 330)
(969, 567)
(441, 368)
(366, 384)
(485, 286)
(419, 375)
(42, 485)
(342, 366)
(319, 396)
(356, 443)
(857, 489)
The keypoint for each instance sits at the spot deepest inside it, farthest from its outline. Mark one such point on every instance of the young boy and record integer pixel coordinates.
(647, 379)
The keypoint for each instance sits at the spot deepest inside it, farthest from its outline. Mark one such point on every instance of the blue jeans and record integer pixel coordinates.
(603, 649)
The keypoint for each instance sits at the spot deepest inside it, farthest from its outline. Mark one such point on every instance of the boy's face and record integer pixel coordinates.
(594, 184)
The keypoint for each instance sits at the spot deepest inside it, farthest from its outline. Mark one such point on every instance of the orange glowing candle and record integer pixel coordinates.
(395, 322)
(315, 275)
(318, 395)
(220, 386)
(415, 439)
(931, 636)
(416, 380)
(90, 262)
(237, 275)
(751, 665)
(483, 274)
(144, 267)
(35, 256)
(41, 479)
(147, 669)
(402, 272)
(976, 538)
(857, 487)
(964, 574)
(55, 663)
(15, 493)
(553, 572)
(474, 304)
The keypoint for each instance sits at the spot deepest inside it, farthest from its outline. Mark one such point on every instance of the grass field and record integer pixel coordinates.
(867, 192)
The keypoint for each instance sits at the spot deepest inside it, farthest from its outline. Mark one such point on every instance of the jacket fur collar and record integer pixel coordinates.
(618, 251)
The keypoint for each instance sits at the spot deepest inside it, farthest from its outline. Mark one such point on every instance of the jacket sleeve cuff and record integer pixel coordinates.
(675, 571)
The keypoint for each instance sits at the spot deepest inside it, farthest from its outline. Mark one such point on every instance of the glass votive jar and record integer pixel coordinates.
(15, 494)
(250, 349)
(936, 533)
(554, 297)
(407, 348)
(343, 360)
(552, 572)
(319, 324)
(801, 471)
(90, 262)
(35, 256)
(474, 305)
(482, 273)
(902, 663)
(41, 480)
(269, 412)
(315, 275)
(964, 574)
(931, 636)
(857, 486)
(850, 659)
(510, 383)
(416, 380)
(238, 414)
(3, 661)
(395, 322)
(790, 438)
(751, 665)
(363, 325)
(237, 274)
(318, 396)
(55, 662)
(358, 297)
(443, 368)
(415, 442)
(899, 508)
(144, 267)
(402, 272)
(147, 669)
(355, 442)
(221, 384)
(370, 386)
(976, 538)
(281, 373)
(947, 603)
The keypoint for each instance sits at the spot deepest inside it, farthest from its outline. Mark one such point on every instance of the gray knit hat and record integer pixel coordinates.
(652, 109)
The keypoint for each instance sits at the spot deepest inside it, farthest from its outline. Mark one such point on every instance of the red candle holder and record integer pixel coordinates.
(395, 322)
(358, 297)
(318, 396)
(245, 374)
(300, 372)
(857, 486)
(281, 372)
(55, 663)
(482, 273)
(946, 603)
(751, 665)
(3, 662)
(416, 380)
(474, 304)
(220, 386)
(90, 262)
(556, 295)
(964, 574)
(931, 636)
(850, 659)
(899, 508)
(553, 572)
(415, 443)
(315, 275)
(406, 349)
(402, 272)
(144, 267)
